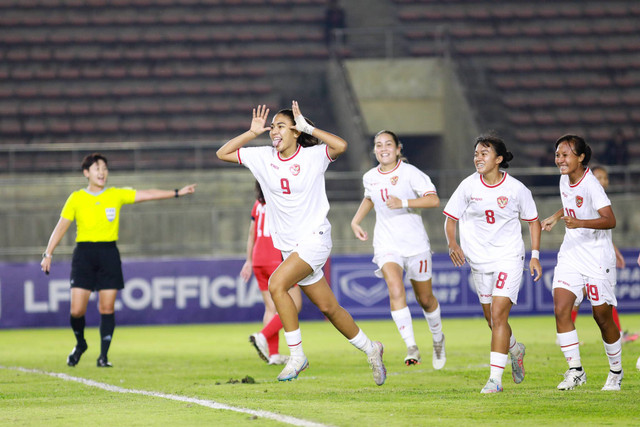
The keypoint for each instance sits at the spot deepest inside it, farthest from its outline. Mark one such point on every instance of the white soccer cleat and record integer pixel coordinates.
(260, 343)
(439, 354)
(613, 381)
(638, 364)
(413, 356)
(377, 366)
(278, 359)
(517, 364)
(572, 379)
(294, 366)
(491, 386)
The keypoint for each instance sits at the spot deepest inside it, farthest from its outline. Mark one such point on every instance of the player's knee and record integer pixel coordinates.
(77, 312)
(328, 308)
(427, 300)
(602, 319)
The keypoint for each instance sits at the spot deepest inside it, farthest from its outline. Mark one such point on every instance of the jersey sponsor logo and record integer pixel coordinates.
(394, 180)
(111, 213)
(276, 167)
(579, 201)
(476, 199)
(502, 201)
(295, 169)
(564, 194)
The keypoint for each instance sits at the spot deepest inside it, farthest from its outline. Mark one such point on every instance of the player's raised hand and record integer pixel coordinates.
(259, 120)
(301, 124)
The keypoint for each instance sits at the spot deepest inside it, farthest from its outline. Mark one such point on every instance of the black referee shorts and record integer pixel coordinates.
(96, 266)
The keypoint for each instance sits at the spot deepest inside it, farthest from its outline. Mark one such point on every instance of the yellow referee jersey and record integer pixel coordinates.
(97, 216)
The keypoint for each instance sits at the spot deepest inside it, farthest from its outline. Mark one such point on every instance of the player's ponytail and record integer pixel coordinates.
(499, 147)
(259, 193)
(578, 146)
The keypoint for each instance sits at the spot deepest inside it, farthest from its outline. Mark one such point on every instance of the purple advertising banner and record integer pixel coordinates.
(168, 291)
(174, 291)
(365, 296)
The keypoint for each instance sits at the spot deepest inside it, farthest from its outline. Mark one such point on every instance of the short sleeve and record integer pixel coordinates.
(458, 202)
(69, 208)
(127, 195)
(599, 197)
(367, 189)
(421, 183)
(528, 209)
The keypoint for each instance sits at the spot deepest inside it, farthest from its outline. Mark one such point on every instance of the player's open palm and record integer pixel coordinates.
(259, 120)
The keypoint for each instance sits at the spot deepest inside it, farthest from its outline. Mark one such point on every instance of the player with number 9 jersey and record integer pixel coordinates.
(291, 175)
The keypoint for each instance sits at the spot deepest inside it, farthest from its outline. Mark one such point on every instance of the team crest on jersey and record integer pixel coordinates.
(111, 213)
(394, 180)
(502, 202)
(579, 201)
(295, 169)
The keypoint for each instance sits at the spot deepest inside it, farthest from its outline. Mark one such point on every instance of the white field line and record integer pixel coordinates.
(206, 403)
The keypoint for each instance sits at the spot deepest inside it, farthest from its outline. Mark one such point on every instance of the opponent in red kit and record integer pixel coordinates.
(264, 258)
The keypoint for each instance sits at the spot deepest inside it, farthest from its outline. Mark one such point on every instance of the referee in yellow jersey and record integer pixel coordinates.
(96, 264)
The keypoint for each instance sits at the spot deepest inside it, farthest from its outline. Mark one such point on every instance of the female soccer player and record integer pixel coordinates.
(96, 265)
(400, 241)
(263, 259)
(488, 205)
(600, 172)
(586, 260)
(291, 174)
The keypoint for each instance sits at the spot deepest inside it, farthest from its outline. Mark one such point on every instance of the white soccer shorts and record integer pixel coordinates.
(503, 283)
(417, 267)
(599, 291)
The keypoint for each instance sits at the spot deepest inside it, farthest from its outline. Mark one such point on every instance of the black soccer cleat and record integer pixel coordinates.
(74, 356)
(102, 362)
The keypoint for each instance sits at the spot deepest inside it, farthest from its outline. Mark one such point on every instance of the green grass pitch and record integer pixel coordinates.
(198, 362)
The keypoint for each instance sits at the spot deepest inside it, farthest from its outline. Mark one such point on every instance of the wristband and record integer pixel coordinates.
(535, 254)
(405, 203)
(177, 195)
(303, 126)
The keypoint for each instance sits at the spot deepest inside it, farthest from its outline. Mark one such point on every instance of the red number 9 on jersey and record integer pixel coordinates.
(284, 184)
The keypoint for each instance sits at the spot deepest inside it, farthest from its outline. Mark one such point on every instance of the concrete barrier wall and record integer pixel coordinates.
(215, 220)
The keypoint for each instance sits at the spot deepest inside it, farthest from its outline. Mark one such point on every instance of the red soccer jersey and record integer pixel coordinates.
(263, 251)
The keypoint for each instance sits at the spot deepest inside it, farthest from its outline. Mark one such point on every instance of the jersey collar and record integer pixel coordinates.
(586, 171)
(292, 156)
(504, 176)
(392, 170)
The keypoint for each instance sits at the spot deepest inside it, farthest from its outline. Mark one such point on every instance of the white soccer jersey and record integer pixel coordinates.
(589, 251)
(398, 230)
(294, 190)
(489, 216)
